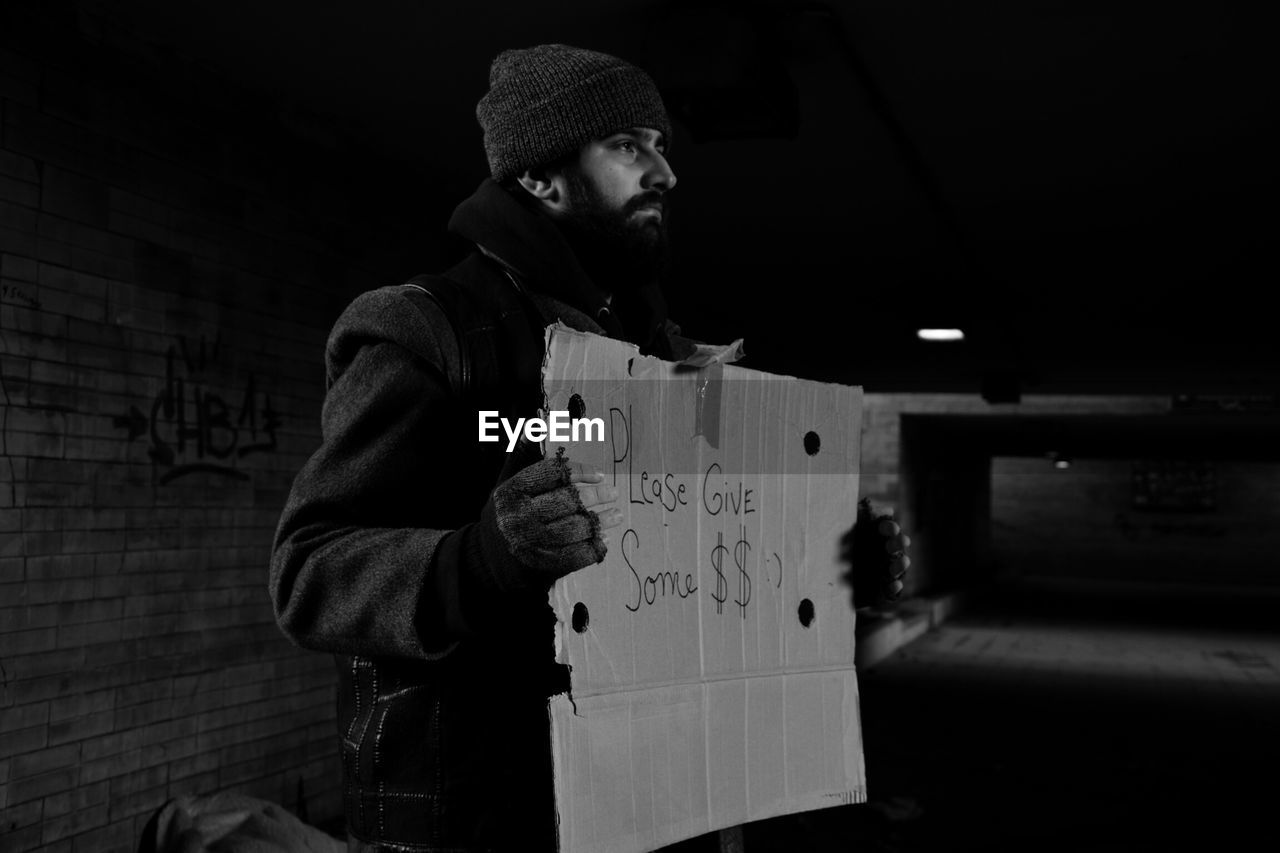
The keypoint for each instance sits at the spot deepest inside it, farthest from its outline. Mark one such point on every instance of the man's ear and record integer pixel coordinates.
(546, 186)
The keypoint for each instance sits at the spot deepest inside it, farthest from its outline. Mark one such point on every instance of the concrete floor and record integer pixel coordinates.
(1066, 718)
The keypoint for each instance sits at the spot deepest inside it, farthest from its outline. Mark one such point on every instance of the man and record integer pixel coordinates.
(422, 557)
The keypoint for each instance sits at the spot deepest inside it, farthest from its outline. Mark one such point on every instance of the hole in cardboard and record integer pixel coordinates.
(630, 361)
(806, 613)
(580, 617)
(812, 443)
(577, 408)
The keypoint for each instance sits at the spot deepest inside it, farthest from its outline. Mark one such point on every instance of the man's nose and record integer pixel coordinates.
(659, 175)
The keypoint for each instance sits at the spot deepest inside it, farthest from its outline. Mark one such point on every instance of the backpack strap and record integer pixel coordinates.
(445, 293)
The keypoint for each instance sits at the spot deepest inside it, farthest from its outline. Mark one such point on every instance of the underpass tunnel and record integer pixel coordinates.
(1109, 672)
(1173, 499)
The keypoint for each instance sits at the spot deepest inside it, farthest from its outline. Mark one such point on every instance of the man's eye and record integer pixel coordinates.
(626, 145)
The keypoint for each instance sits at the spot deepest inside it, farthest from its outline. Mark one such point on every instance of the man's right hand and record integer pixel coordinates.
(551, 517)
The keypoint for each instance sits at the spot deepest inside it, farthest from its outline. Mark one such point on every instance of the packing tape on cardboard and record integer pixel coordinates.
(710, 361)
(710, 387)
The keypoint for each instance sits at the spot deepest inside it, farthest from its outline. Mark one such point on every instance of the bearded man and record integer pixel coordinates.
(420, 556)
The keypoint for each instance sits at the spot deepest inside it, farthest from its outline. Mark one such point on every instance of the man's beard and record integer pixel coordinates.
(618, 252)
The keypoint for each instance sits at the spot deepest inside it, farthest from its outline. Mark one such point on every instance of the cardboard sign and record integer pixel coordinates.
(712, 651)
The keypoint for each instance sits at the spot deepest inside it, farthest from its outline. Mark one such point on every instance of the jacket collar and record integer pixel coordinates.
(531, 247)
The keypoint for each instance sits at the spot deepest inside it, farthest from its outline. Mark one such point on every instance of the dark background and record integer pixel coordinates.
(1086, 188)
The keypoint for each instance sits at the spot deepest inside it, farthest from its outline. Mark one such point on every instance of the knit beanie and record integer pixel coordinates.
(547, 101)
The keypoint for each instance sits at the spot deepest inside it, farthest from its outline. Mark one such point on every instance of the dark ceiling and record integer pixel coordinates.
(1085, 187)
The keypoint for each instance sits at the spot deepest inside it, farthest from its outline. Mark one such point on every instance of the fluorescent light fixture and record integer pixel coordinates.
(940, 334)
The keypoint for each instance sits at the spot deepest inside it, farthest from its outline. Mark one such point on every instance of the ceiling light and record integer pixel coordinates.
(940, 334)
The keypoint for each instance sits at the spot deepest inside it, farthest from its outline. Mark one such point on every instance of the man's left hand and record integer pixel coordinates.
(876, 550)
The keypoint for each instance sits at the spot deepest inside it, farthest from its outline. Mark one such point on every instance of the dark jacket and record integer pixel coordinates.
(443, 681)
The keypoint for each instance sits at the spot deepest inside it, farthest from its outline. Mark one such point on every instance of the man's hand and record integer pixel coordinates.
(876, 550)
(550, 518)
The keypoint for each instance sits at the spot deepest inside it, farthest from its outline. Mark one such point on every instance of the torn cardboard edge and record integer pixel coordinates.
(711, 652)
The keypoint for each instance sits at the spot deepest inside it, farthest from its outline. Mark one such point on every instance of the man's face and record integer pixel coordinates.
(616, 205)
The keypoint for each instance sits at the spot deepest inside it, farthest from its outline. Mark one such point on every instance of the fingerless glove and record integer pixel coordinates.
(535, 529)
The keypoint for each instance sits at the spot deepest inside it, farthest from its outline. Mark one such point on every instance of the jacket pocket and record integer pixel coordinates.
(401, 748)
(391, 731)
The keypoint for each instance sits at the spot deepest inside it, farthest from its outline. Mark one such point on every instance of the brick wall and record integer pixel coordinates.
(172, 253)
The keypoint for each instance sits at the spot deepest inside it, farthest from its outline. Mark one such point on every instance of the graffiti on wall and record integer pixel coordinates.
(20, 295)
(1134, 528)
(194, 426)
(1174, 486)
